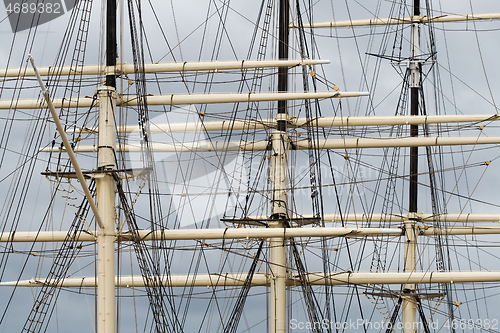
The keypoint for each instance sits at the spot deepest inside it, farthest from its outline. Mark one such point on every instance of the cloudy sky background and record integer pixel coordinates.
(184, 31)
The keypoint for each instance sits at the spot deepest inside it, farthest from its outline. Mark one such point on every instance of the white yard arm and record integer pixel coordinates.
(184, 99)
(345, 278)
(256, 124)
(423, 217)
(261, 145)
(401, 20)
(180, 99)
(245, 233)
(421, 141)
(203, 234)
(167, 67)
(260, 279)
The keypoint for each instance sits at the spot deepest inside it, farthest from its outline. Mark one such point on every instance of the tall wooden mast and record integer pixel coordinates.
(279, 202)
(409, 291)
(105, 184)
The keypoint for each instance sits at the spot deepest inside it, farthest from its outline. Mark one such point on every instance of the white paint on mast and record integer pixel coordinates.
(409, 300)
(106, 191)
(409, 289)
(279, 209)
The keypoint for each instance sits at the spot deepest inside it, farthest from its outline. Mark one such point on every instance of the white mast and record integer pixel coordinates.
(279, 210)
(106, 193)
(105, 183)
(409, 289)
(279, 200)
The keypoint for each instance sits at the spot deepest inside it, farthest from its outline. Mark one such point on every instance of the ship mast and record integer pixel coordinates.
(279, 202)
(284, 22)
(105, 184)
(410, 226)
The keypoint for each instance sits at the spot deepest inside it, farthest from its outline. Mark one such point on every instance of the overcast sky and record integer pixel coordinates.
(459, 50)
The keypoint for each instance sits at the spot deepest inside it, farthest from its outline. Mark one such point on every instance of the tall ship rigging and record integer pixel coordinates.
(229, 166)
